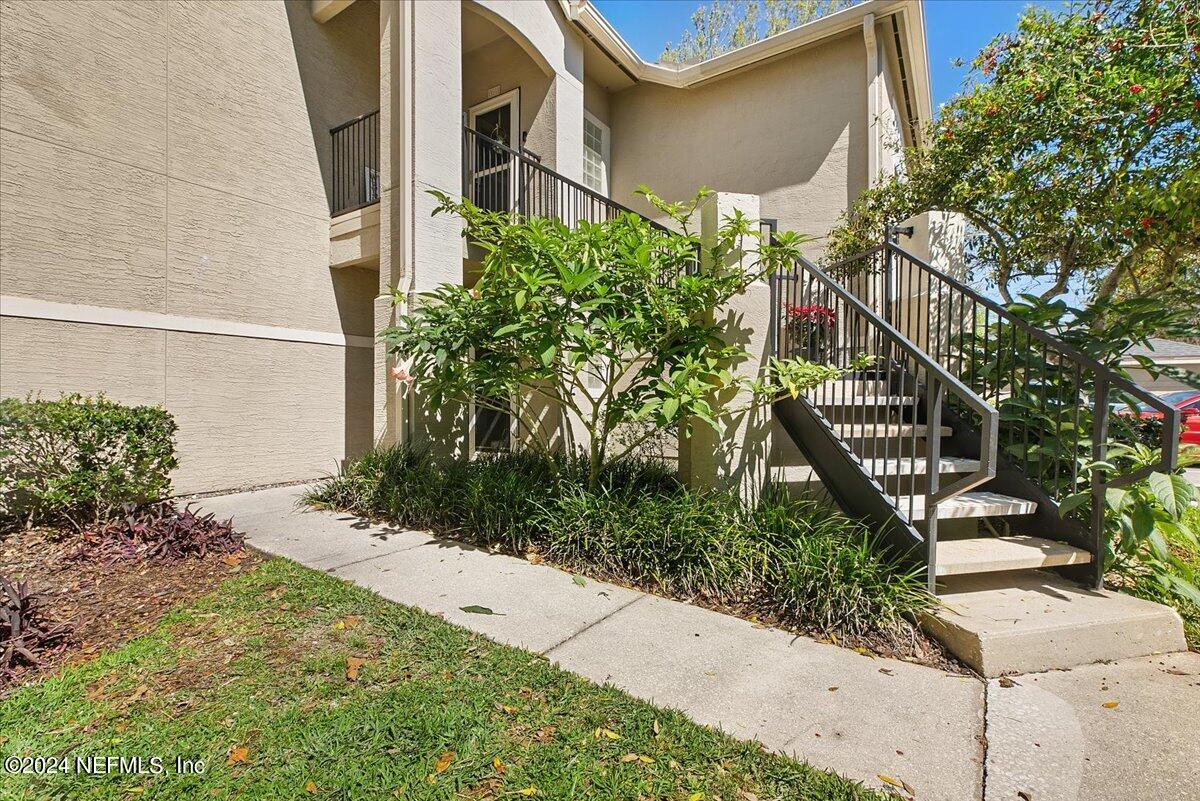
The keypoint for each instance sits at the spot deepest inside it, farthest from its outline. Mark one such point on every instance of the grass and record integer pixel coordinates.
(803, 561)
(254, 681)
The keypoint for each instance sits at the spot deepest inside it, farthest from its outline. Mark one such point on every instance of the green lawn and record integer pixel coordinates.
(262, 666)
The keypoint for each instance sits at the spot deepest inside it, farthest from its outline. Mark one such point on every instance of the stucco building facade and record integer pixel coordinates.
(178, 227)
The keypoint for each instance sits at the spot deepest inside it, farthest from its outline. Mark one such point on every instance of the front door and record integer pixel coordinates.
(492, 168)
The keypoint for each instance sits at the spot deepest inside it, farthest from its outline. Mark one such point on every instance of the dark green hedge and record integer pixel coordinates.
(75, 460)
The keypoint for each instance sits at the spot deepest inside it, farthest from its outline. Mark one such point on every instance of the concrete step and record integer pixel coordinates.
(873, 431)
(840, 398)
(1032, 620)
(884, 468)
(972, 504)
(989, 554)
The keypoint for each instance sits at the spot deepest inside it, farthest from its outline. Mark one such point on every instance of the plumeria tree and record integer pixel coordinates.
(610, 326)
(1074, 155)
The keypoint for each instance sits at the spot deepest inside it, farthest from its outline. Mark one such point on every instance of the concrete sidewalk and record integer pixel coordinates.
(828, 706)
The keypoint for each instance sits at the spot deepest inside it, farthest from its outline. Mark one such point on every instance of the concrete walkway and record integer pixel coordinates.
(828, 706)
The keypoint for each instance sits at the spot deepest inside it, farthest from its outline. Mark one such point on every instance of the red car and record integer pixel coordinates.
(1187, 401)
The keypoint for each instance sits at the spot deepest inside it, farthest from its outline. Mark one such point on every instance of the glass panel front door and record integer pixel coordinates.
(492, 167)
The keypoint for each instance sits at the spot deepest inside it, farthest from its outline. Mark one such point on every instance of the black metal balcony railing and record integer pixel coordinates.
(355, 163)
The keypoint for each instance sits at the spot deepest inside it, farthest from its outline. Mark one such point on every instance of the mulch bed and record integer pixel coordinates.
(107, 602)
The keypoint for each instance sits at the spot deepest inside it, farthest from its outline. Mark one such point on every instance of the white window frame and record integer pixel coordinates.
(512, 96)
(513, 426)
(605, 149)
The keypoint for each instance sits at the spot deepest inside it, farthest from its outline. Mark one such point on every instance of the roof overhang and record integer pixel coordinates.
(593, 23)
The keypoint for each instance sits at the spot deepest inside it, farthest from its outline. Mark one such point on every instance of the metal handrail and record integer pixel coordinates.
(898, 361)
(556, 193)
(1045, 387)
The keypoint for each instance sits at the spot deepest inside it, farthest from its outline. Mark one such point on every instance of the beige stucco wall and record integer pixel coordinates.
(792, 131)
(504, 64)
(173, 157)
(596, 101)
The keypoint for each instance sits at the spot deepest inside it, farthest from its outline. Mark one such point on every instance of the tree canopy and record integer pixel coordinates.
(609, 327)
(724, 25)
(1074, 155)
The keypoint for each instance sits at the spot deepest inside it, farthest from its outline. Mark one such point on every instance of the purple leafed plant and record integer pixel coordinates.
(160, 530)
(25, 632)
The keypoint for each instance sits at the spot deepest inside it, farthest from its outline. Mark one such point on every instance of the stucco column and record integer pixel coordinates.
(737, 459)
(420, 125)
(568, 126)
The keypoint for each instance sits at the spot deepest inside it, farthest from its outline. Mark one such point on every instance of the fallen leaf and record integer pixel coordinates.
(656, 726)
(233, 560)
(609, 733)
(645, 759)
(890, 780)
(237, 755)
(1175, 672)
(1110, 704)
(310, 787)
(534, 558)
(697, 796)
(348, 622)
(497, 764)
(747, 795)
(508, 710)
(443, 761)
(353, 664)
(1006, 682)
(479, 610)
(629, 758)
(886, 671)
(528, 791)
(579, 581)
(1024, 796)
(833, 689)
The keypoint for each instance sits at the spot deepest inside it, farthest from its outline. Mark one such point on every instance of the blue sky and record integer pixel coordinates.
(954, 28)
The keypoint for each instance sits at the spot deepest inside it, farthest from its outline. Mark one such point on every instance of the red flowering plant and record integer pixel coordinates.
(810, 330)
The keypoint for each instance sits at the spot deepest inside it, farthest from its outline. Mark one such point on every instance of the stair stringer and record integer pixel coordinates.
(846, 479)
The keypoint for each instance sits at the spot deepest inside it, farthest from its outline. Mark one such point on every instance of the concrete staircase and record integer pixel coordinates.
(1003, 609)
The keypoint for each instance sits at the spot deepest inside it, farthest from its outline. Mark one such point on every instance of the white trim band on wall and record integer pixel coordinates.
(33, 308)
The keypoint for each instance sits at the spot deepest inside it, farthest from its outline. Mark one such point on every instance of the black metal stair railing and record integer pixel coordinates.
(877, 432)
(498, 178)
(1057, 422)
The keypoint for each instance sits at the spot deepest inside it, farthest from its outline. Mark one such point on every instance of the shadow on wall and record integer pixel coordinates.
(338, 64)
(354, 290)
(793, 131)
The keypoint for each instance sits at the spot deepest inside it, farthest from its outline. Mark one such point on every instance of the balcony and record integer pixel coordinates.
(354, 201)
(355, 164)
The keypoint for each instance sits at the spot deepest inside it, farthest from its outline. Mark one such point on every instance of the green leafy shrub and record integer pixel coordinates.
(800, 559)
(77, 459)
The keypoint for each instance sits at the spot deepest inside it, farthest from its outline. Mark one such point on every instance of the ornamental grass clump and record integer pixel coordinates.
(687, 543)
(800, 560)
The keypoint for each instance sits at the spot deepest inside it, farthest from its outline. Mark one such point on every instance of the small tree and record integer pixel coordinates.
(609, 324)
(1074, 155)
(724, 25)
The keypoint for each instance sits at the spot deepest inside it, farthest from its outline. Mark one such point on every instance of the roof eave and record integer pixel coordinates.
(584, 14)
